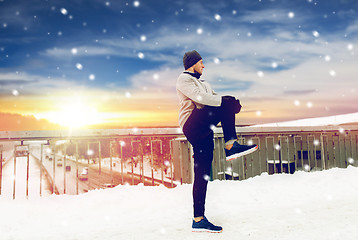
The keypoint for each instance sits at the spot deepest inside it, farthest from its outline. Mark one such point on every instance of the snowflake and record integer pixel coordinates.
(258, 113)
(141, 55)
(199, 31)
(298, 211)
(332, 73)
(64, 11)
(143, 38)
(217, 17)
(274, 65)
(136, 3)
(291, 14)
(216, 60)
(309, 104)
(128, 94)
(74, 51)
(327, 58)
(260, 74)
(79, 66)
(92, 77)
(315, 34)
(306, 167)
(15, 92)
(155, 76)
(206, 177)
(350, 47)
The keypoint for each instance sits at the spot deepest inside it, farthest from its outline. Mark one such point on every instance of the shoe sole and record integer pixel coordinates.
(232, 157)
(206, 230)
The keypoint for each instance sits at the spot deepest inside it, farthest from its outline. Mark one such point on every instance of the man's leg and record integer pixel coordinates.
(203, 120)
(203, 155)
(203, 146)
(215, 115)
(201, 138)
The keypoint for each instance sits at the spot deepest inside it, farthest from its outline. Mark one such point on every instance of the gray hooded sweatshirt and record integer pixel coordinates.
(194, 93)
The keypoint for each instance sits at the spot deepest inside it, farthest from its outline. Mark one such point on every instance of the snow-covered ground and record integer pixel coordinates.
(318, 205)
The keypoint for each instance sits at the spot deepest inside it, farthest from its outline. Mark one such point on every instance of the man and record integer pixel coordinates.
(201, 109)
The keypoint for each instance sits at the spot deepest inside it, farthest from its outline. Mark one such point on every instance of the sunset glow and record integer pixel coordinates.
(74, 116)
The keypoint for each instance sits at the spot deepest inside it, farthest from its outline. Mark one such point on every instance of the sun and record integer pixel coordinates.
(76, 115)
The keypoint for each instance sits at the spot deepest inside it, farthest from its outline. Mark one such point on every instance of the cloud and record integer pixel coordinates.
(159, 83)
(299, 92)
(17, 15)
(128, 48)
(277, 15)
(11, 79)
(28, 84)
(259, 54)
(77, 51)
(17, 122)
(353, 28)
(299, 57)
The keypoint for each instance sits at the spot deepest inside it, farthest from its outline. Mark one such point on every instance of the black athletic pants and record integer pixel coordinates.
(198, 131)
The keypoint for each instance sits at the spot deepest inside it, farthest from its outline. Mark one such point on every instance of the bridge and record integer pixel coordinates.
(74, 162)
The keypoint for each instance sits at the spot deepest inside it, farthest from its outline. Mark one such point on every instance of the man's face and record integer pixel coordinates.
(199, 66)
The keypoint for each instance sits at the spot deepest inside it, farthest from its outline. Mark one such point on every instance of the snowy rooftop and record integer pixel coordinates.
(351, 118)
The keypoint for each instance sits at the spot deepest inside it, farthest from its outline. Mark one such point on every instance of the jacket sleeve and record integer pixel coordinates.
(190, 89)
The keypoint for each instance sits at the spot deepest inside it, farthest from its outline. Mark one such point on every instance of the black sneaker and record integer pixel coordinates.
(205, 226)
(238, 150)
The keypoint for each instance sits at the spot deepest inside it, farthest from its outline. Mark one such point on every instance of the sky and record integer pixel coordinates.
(114, 64)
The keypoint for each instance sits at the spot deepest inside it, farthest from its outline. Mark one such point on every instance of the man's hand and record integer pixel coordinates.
(238, 106)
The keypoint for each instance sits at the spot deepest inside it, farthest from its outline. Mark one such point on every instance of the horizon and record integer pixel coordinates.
(341, 121)
(115, 63)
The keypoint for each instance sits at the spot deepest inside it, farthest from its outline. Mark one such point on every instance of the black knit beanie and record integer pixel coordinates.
(190, 58)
